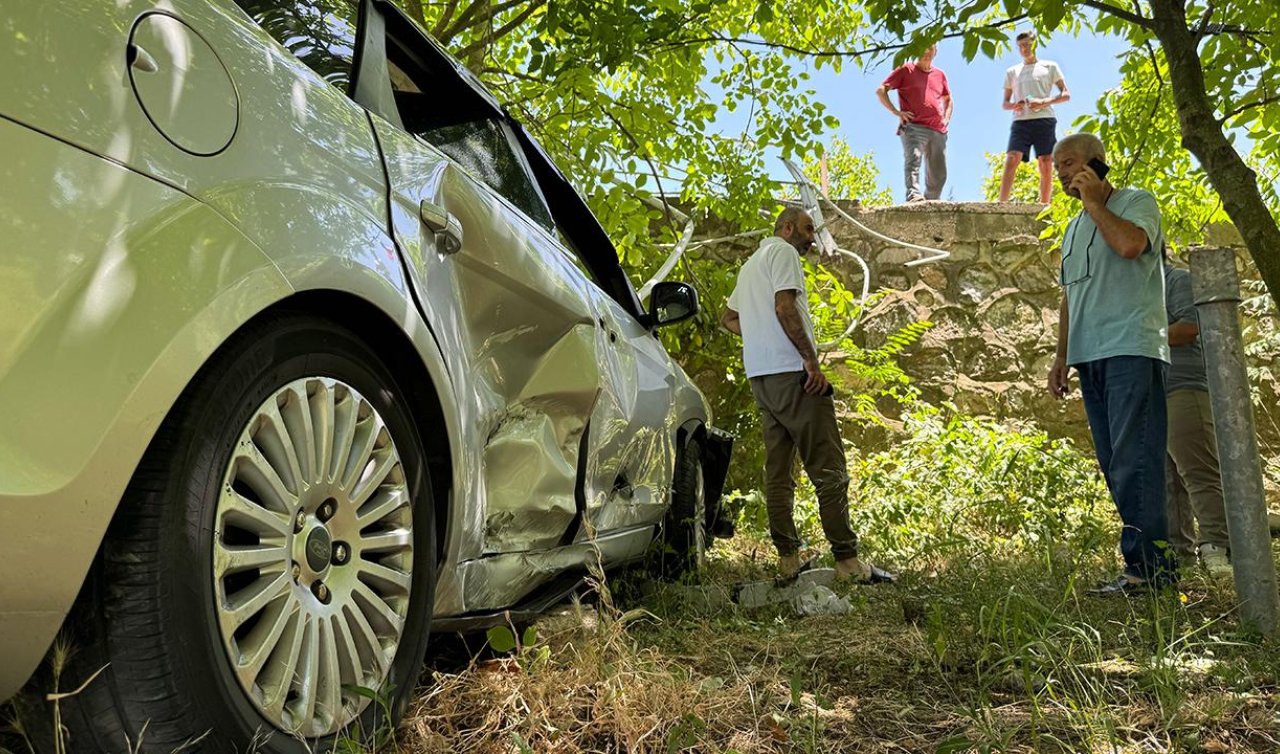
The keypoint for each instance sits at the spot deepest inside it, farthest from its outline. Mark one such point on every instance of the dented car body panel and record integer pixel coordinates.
(142, 232)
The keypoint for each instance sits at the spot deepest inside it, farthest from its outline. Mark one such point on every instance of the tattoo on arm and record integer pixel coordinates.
(793, 324)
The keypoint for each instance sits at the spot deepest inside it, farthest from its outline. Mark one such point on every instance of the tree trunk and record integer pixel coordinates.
(1202, 134)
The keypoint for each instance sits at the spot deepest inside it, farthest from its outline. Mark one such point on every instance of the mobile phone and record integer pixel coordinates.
(1099, 167)
(830, 391)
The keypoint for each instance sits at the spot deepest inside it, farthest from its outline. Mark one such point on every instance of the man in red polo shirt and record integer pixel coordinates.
(923, 112)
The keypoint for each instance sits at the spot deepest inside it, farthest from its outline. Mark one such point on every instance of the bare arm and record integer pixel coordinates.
(1059, 376)
(1062, 96)
(1009, 104)
(947, 104)
(731, 321)
(1128, 240)
(784, 306)
(1183, 333)
(883, 93)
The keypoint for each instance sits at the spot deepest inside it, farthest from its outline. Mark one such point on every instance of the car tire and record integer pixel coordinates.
(685, 535)
(153, 631)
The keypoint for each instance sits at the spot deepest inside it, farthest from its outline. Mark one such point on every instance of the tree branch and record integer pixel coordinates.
(1234, 181)
(1203, 28)
(464, 18)
(826, 53)
(1155, 108)
(653, 169)
(467, 22)
(442, 23)
(414, 9)
(506, 28)
(1257, 103)
(1133, 18)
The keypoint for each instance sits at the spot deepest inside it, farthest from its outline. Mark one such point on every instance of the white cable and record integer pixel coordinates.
(825, 241)
(677, 251)
(938, 254)
(826, 244)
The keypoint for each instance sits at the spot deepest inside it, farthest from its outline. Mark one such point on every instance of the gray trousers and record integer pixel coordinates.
(930, 146)
(795, 421)
(1193, 479)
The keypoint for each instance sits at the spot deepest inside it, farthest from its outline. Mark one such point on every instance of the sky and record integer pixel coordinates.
(1089, 65)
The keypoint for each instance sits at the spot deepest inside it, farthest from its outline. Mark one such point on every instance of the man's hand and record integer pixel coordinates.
(1037, 105)
(1020, 106)
(905, 116)
(1090, 188)
(731, 321)
(815, 382)
(1059, 378)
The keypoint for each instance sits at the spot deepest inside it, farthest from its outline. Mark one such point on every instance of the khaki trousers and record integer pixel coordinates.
(795, 421)
(1193, 479)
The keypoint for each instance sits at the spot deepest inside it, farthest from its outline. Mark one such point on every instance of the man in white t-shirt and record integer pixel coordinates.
(1028, 92)
(769, 308)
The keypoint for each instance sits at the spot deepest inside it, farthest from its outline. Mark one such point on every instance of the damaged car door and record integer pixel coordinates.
(519, 329)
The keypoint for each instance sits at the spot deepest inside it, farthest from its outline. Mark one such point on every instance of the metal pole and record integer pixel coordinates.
(1217, 295)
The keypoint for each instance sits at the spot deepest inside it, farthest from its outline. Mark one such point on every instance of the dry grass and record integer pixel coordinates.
(984, 656)
(989, 657)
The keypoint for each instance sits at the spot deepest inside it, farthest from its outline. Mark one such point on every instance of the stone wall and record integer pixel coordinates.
(994, 304)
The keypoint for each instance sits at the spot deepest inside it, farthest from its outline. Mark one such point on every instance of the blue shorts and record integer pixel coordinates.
(1041, 133)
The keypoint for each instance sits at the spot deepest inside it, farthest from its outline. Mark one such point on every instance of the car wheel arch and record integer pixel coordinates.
(373, 324)
(325, 341)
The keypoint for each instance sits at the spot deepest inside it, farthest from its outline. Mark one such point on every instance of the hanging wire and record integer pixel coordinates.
(811, 199)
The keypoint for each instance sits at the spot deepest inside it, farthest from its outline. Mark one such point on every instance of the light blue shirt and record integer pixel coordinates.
(1115, 305)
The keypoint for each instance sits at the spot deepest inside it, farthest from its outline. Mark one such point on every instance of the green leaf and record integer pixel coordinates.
(501, 639)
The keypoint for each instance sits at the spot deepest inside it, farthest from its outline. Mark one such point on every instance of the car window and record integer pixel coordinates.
(321, 33)
(483, 147)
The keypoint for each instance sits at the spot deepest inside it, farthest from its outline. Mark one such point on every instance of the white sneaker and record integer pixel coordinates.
(1215, 560)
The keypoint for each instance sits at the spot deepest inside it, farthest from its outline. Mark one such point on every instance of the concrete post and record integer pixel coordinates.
(1217, 295)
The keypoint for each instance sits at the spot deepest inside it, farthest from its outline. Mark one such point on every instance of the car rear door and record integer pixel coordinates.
(518, 326)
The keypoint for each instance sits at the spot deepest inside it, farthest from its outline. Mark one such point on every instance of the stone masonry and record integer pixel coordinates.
(994, 305)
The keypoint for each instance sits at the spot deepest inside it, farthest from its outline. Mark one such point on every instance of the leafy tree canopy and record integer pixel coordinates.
(1026, 182)
(625, 94)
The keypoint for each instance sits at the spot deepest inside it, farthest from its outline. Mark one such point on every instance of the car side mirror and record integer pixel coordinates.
(672, 302)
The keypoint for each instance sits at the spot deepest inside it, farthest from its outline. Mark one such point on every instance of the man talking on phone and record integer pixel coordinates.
(769, 308)
(1113, 330)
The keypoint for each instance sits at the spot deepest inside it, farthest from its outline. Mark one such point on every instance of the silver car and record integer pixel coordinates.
(307, 350)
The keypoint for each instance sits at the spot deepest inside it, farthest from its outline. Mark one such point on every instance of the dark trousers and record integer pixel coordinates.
(796, 422)
(1125, 400)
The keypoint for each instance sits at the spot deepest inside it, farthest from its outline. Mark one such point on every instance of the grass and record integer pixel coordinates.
(990, 657)
(984, 654)
(987, 644)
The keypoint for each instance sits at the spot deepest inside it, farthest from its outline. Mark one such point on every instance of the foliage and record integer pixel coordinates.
(1138, 123)
(954, 488)
(1214, 79)
(849, 175)
(1026, 182)
(627, 96)
(957, 487)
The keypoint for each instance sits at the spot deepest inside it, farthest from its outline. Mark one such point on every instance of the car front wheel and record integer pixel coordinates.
(268, 578)
(685, 530)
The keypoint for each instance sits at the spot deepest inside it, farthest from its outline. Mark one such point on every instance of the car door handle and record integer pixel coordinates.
(445, 226)
(140, 59)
